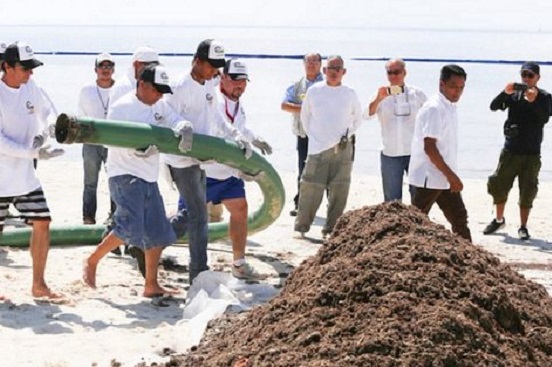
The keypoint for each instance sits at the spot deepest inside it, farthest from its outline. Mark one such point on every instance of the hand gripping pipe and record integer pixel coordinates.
(70, 130)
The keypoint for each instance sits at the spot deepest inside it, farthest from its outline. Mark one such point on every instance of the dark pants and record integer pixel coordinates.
(451, 204)
(302, 151)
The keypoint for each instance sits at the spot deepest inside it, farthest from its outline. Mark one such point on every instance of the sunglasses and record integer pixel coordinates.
(527, 74)
(334, 68)
(105, 66)
(394, 72)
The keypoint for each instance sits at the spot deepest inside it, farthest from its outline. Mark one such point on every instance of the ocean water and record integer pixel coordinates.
(491, 55)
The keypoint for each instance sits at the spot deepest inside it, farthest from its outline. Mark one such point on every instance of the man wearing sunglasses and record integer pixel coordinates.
(94, 102)
(529, 109)
(396, 107)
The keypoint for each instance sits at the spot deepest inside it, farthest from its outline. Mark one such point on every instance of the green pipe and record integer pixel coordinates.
(70, 129)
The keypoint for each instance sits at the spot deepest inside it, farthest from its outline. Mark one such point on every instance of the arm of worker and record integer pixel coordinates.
(379, 96)
(356, 113)
(504, 99)
(289, 104)
(430, 148)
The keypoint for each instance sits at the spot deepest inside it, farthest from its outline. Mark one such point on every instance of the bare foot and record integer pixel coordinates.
(89, 273)
(158, 291)
(45, 292)
(242, 362)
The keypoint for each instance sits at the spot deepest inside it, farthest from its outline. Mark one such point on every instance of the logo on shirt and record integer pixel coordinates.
(157, 116)
(30, 107)
(209, 97)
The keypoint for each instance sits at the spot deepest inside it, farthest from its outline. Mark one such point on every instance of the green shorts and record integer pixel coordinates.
(525, 167)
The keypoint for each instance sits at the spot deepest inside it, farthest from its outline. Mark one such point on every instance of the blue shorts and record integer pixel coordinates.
(31, 206)
(220, 190)
(140, 218)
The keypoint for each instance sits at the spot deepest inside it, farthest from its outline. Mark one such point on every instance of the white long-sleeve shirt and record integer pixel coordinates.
(94, 101)
(328, 113)
(23, 115)
(437, 120)
(197, 103)
(123, 161)
(397, 116)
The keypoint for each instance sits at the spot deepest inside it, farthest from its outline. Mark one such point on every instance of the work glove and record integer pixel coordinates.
(264, 147)
(186, 134)
(244, 145)
(47, 153)
(38, 141)
(146, 152)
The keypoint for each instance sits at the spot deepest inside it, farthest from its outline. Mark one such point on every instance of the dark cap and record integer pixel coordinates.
(236, 69)
(22, 53)
(532, 66)
(158, 77)
(211, 51)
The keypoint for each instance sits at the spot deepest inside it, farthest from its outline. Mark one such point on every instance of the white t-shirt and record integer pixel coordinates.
(234, 115)
(197, 103)
(327, 114)
(123, 161)
(438, 120)
(94, 101)
(23, 115)
(397, 116)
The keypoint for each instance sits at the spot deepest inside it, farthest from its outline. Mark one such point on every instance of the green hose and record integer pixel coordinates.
(134, 135)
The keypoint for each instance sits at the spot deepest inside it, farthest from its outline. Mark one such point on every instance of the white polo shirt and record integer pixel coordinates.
(397, 116)
(438, 120)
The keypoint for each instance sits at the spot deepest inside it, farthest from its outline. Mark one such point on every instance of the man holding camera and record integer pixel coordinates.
(529, 108)
(396, 107)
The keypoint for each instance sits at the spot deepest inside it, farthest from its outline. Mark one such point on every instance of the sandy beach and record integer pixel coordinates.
(93, 327)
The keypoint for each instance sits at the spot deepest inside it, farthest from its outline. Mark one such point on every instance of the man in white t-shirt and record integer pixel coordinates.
(434, 160)
(330, 115)
(23, 132)
(140, 219)
(195, 100)
(94, 102)
(396, 106)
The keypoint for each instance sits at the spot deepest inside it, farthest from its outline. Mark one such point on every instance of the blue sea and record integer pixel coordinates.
(489, 43)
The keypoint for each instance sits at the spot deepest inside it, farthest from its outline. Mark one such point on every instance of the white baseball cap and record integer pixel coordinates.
(145, 54)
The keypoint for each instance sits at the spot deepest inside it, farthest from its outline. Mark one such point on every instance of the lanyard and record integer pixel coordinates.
(231, 117)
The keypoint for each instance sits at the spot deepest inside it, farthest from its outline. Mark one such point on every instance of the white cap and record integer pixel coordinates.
(157, 75)
(104, 56)
(145, 54)
(236, 69)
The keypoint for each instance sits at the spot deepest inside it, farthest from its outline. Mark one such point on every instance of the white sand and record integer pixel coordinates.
(114, 321)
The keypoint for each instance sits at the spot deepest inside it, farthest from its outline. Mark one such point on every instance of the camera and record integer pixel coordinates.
(393, 90)
(520, 86)
(511, 130)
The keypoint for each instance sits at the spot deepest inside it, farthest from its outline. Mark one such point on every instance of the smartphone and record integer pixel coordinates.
(393, 90)
(520, 86)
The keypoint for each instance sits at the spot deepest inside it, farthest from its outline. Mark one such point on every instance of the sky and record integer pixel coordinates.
(417, 14)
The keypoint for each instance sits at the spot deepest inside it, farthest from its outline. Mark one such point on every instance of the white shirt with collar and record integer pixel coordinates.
(397, 116)
(437, 120)
(328, 113)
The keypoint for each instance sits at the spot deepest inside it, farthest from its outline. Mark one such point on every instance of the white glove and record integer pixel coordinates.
(245, 146)
(186, 134)
(145, 153)
(262, 145)
(47, 153)
(38, 141)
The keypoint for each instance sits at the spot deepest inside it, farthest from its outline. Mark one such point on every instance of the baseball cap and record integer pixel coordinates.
(22, 53)
(532, 66)
(104, 56)
(157, 75)
(211, 51)
(3, 47)
(145, 54)
(236, 69)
